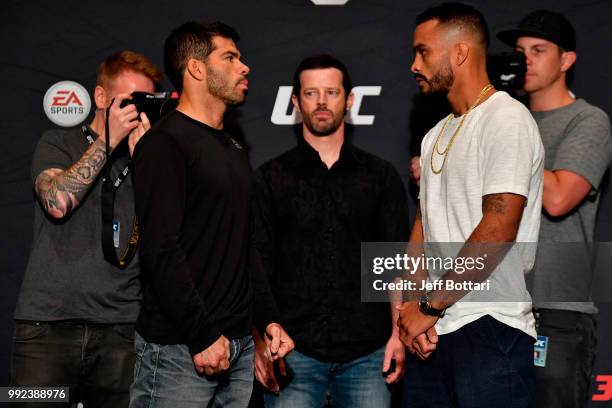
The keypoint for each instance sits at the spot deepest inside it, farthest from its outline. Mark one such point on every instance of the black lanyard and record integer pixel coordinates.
(109, 190)
(126, 170)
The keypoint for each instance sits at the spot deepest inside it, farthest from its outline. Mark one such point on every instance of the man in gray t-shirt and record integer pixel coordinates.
(76, 312)
(578, 150)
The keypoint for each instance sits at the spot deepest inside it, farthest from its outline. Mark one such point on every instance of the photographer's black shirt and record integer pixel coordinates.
(310, 222)
(192, 185)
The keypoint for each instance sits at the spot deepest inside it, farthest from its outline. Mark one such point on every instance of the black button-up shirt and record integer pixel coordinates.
(310, 222)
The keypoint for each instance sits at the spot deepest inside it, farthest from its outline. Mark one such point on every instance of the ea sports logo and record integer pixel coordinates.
(67, 103)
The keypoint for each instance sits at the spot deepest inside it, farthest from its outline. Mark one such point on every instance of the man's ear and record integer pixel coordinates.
(462, 51)
(296, 103)
(100, 97)
(349, 101)
(195, 69)
(568, 58)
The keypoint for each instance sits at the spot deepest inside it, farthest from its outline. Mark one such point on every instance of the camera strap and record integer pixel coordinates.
(109, 225)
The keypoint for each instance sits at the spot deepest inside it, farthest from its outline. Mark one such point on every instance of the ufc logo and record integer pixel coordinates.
(283, 100)
(604, 385)
(64, 98)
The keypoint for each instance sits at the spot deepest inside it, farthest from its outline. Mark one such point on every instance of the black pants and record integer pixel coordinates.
(95, 360)
(484, 364)
(564, 381)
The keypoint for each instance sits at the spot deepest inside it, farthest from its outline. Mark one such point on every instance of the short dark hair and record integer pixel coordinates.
(321, 62)
(458, 14)
(192, 40)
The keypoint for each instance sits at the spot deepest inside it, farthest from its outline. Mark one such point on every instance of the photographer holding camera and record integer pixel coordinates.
(76, 311)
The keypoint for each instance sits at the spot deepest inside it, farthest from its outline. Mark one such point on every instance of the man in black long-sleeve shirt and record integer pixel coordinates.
(315, 205)
(192, 186)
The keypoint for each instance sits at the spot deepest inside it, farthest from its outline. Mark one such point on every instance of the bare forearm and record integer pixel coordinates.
(551, 191)
(395, 316)
(60, 191)
(563, 191)
(416, 235)
(489, 242)
(415, 250)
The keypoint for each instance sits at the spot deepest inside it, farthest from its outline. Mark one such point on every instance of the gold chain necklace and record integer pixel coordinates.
(444, 153)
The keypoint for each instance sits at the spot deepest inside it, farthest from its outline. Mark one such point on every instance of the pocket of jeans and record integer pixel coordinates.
(25, 331)
(234, 350)
(137, 363)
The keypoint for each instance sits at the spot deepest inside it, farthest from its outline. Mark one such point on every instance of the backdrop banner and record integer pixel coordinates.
(46, 43)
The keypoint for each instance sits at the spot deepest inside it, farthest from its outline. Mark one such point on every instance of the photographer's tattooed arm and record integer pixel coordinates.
(60, 191)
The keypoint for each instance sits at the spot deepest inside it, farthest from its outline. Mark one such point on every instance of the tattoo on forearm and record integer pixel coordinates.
(494, 203)
(60, 191)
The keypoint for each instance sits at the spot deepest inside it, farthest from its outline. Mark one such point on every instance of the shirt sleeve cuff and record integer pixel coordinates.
(506, 188)
(203, 342)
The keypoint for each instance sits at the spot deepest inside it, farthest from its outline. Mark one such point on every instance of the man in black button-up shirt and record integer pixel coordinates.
(315, 205)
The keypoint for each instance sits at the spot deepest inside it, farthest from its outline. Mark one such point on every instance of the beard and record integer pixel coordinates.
(323, 128)
(441, 81)
(220, 87)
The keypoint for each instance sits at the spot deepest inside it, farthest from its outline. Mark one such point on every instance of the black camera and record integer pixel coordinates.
(507, 71)
(154, 105)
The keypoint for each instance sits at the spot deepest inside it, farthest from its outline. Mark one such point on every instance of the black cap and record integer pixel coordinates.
(544, 24)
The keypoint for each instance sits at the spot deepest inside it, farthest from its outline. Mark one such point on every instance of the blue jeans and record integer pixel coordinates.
(483, 364)
(165, 377)
(358, 383)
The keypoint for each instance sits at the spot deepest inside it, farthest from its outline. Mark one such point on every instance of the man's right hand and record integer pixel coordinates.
(214, 359)
(415, 170)
(264, 365)
(121, 120)
(278, 341)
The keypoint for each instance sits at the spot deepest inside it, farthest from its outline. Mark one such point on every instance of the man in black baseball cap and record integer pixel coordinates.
(543, 24)
(548, 41)
(578, 150)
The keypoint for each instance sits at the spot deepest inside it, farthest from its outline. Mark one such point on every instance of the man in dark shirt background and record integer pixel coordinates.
(315, 204)
(192, 187)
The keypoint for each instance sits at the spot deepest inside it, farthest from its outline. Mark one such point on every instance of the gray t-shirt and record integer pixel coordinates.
(576, 138)
(67, 276)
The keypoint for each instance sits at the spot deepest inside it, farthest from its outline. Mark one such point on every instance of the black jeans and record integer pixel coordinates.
(483, 364)
(95, 360)
(564, 381)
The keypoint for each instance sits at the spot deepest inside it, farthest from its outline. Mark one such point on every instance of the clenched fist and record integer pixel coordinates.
(214, 359)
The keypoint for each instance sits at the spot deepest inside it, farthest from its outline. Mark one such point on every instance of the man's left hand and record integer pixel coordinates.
(416, 330)
(278, 341)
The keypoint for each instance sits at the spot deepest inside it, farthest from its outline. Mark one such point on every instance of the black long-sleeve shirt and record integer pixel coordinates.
(310, 222)
(192, 185)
